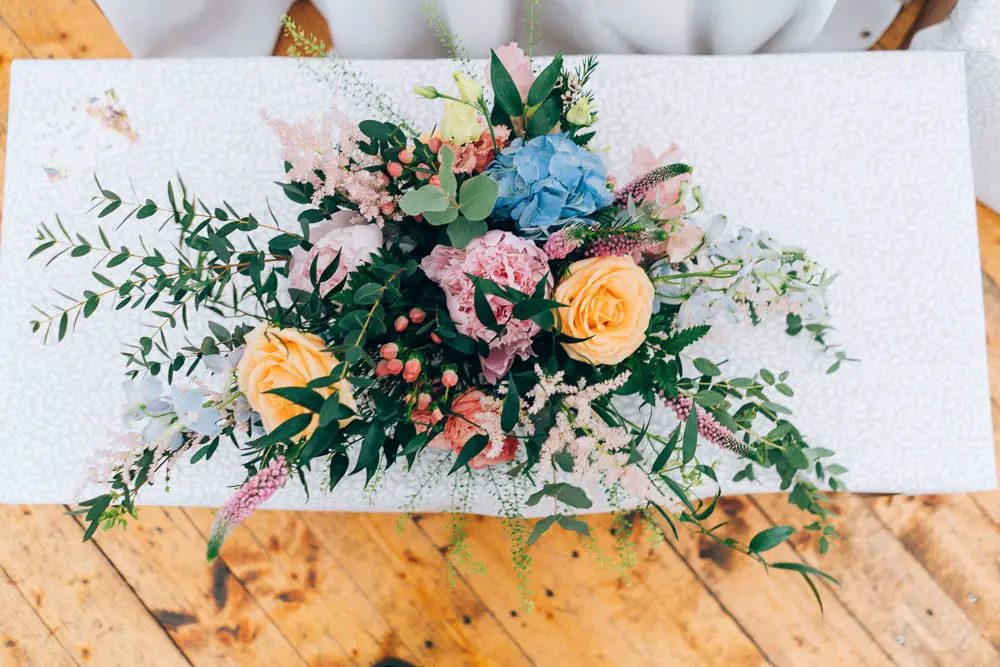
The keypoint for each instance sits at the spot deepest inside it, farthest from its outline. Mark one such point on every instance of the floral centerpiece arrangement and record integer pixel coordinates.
(483, 293)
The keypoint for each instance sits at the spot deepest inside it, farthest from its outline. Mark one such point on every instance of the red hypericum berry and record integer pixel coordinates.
(405, 156)
(389, 351)
(418, 217)
(401, 323)
(435, 145)
(412, 366)
(417, 315)
(423, 401)
(435, 180)
(395, 169)
(382, 179)
(394, 366)
(387, 208)
(435, 337)
(449, 378)
(382, 368)
(423, 172)
(410, 377)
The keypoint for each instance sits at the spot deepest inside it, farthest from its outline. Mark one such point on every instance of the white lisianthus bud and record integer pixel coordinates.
(469, 89)
(580, 113)
(430, 92)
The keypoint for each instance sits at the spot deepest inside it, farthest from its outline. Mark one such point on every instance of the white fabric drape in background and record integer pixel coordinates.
(974, 27)
(399, 28)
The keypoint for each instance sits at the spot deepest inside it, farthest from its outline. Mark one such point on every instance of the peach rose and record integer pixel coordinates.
(277, 358)
(609, 301)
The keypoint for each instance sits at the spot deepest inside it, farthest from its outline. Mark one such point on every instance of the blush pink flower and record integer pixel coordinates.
(343, 234)
(666, 195)
(466, 421)
(518, 65)
(507, 260)
(473, 157)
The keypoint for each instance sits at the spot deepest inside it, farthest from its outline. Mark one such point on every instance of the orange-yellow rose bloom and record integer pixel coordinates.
(609, 300)
(276, 358)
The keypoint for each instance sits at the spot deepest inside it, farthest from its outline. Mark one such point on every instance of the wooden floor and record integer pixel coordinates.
(921, 575)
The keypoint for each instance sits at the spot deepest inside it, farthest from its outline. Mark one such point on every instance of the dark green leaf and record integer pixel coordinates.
(504, 90)
(574, 525)
(371, 446)
(690, 435)
(545, 81)
(668, 449)
(545, 117)
(706, 367)
(483, 309)
(511, 407)
(542, 525)
(338, 468)
(770, 538)
(287, 430)
(472, 447)
(527, 309)
(307, 398)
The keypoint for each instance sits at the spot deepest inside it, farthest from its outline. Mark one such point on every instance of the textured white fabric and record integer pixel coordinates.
(399, 28)
(974, 29)
(879, 189)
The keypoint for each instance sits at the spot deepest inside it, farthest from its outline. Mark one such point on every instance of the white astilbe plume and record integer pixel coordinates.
(600, 451)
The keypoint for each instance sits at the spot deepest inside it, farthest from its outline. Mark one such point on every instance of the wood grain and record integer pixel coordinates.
(920, 575)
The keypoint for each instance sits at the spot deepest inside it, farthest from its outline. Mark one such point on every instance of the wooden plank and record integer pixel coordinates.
(957, 544)
(10, 47)
(76, 593)
(777, 608)
(304, 590)
(63, 29)
(588, 614)
(406, 580)
(24, 638)
(887, 589)
(308, 18)
(898, 34)
(207, 611)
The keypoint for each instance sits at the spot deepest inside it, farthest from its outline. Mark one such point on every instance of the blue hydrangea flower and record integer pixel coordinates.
(546, 181)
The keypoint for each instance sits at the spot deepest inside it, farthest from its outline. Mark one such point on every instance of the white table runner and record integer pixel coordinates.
(840, 154)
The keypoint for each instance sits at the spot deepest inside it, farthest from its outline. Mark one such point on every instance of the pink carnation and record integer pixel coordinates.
(473, 157)
(468, 415)
(345, 234)
(507, 260)
(666, 195)
(517, 64)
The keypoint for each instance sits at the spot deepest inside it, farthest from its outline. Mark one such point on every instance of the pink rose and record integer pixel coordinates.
(666, 195)
(678, 246)
(509, 261)
(464, 424)
(345, 233)
(517, 64)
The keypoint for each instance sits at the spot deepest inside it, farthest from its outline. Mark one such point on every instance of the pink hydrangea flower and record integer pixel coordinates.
(518, 65)
(507, 260)
(345, 234)
(666, 195)
(469, 413)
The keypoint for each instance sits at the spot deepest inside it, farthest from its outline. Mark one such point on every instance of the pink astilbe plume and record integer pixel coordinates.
(709, 428)
(562, 243)
(242, 504)
(620, 244)
(310, 147)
